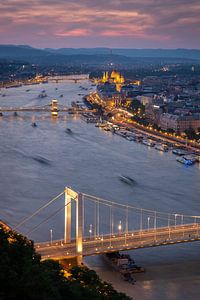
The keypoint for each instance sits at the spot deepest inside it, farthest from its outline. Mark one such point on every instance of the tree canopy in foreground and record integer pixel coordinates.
(24, 276)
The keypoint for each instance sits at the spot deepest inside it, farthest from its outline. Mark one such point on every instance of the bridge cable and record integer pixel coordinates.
(49, 217)
(104, 201)
(38, 210)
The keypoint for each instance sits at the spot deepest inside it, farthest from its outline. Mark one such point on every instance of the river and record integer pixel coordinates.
(90, 160)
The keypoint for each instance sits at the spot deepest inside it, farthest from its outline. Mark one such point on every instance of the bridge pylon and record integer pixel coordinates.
(78, 197)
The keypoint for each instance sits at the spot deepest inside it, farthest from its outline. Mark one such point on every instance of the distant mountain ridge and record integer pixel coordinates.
(94, 56)
(167, 53)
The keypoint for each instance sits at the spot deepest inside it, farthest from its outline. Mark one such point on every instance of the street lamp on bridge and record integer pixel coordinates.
(148, 222)
(120, 227)
(90, 231)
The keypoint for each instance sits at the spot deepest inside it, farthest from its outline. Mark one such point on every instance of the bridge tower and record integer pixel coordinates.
(78, 197)
(54, 108)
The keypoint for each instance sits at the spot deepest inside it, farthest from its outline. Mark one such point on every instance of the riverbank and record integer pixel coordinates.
(148, 130)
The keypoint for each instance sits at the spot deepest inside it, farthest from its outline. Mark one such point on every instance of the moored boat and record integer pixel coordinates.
(148, 143)
(161, 147)
(185, 161)
(179, 152)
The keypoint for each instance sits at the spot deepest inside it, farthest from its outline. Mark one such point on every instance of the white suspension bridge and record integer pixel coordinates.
(111, 228)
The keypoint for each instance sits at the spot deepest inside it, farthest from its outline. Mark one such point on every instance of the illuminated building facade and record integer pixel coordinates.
(114, 77)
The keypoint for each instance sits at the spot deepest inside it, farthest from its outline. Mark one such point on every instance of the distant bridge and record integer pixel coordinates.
(153, 228)
(54, 107)
(75, 78)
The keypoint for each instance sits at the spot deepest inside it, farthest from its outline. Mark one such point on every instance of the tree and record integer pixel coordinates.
(24, 276)
(191, 134)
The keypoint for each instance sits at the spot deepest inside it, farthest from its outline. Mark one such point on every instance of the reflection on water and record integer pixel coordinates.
(37, 163)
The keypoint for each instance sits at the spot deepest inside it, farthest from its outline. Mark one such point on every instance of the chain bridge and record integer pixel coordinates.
(53, 107)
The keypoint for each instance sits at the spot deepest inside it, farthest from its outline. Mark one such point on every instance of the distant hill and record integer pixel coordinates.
(135, 53)
(8, 51)
(95, 56)
(50, 56)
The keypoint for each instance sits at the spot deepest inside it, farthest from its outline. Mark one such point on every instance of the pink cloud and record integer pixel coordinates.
(74, 32)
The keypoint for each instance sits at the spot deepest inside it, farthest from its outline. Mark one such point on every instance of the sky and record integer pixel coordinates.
(101, 23)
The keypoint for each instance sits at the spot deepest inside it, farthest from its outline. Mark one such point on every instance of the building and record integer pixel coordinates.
(115, 77)
(180, 123)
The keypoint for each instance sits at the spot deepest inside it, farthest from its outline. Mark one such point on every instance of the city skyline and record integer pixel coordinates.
(117, 24)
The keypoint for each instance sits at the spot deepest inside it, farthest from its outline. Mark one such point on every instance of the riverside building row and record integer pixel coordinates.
(169, 102)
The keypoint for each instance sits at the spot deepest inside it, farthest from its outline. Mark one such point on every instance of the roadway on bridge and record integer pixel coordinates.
(132, 240)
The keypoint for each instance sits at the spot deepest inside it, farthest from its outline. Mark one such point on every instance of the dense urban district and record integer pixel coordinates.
(150, 99)
(158, 94)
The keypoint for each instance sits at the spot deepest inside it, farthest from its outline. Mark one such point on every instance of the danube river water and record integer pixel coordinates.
(38, 162)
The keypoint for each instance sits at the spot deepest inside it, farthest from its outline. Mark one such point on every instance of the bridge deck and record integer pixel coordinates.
(132, 240)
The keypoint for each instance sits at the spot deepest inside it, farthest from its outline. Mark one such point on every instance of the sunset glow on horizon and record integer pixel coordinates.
(87, 23)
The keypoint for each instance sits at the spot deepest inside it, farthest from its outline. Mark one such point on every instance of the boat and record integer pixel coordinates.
(68, 130)
(127, 179)
(41, 160)
(179, 152)
(185, 161)
(61, 95)
(15, 114)
(148, 143)
(34, 124)
(42, 95)
(161, 147)
(101, 125)
(191, 157)
(107, 128)
(130, 138)
(122, 133)
(123, 263)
